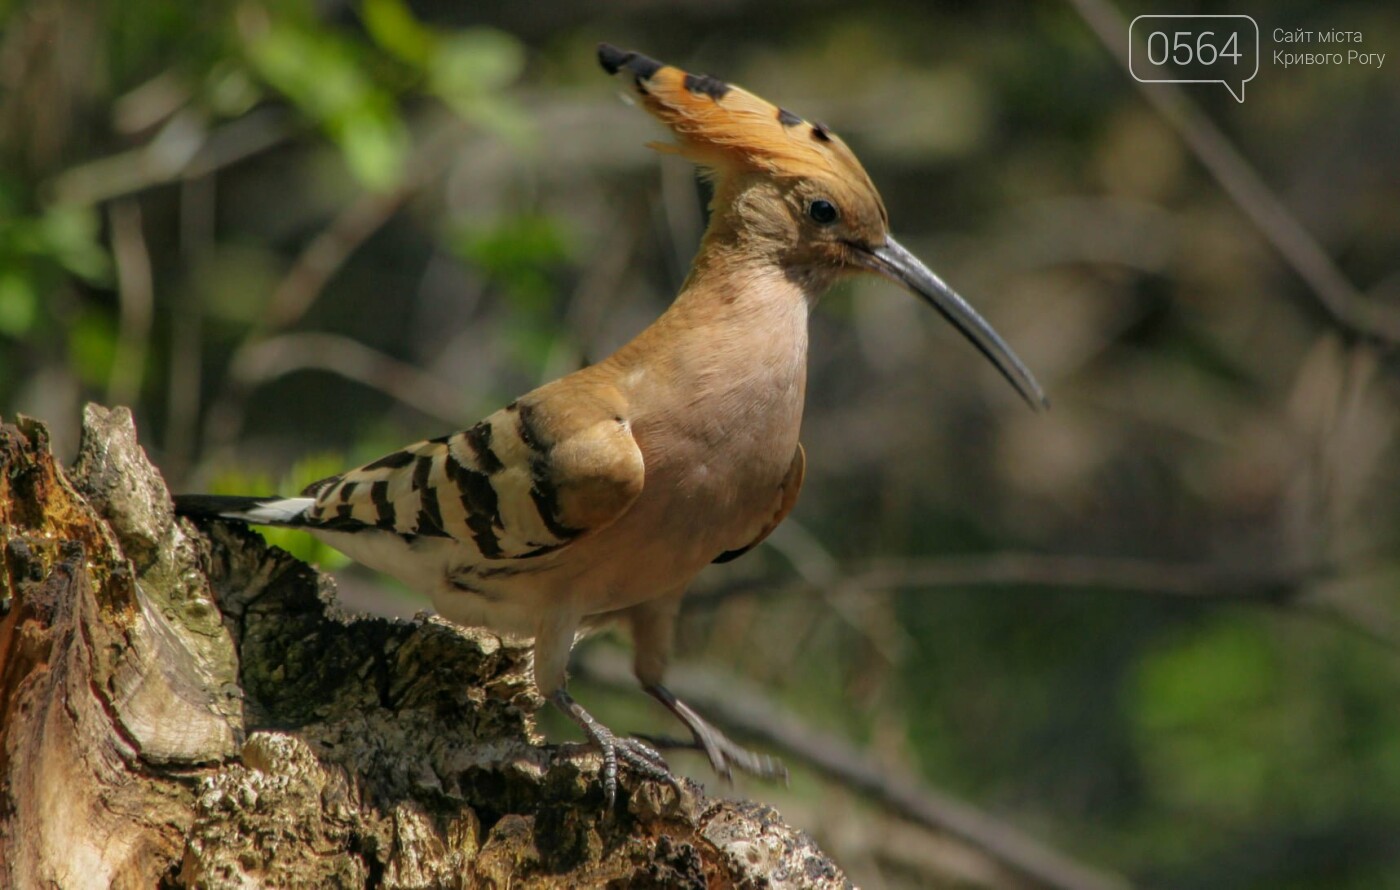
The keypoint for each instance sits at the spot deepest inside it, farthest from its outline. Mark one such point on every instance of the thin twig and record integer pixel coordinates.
(296, 293)
(1156, 577)
(748, 713)
(278, 356)
(1298, 248)
(150, 103)
(197, 219)
(318, 262)
(1363, 619)
(182, 147)
(327, 253)
(257, 131)
(1009, 569)
(1291, 589)
(162, 159)
(807, 555)
(1296, 590)
(135, 295)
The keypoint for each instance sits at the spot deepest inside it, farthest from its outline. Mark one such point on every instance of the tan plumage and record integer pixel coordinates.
(599, 496)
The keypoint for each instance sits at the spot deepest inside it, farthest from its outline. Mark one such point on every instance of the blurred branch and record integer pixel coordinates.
(276, 356)
(367, 214)
(897, 847)
(1039, 570)
(1286, 588)
(298, 290)
(197, 223)
(588, 308)
(327, 253)
(751, 714)
(821, 570)
(1376, 625)
(1338, 297)
(183, 147)
(1133, 575)
(150, 103)
(136, 301)
(160, 160)
(253, 133)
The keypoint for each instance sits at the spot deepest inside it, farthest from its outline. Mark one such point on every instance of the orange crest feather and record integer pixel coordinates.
(721, 126)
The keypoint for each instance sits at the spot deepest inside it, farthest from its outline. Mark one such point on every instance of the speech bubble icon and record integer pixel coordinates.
(1221, 49)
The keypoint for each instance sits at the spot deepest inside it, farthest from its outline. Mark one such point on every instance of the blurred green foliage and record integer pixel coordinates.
(305, 471)
(335, 195)
(322, 72)
(37, 250)
(522, 256)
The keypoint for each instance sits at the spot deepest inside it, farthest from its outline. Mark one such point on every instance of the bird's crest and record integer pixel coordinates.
(724, 127)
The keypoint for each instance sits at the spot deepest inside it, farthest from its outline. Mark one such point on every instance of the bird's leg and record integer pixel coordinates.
(553, 639)
(637, 755)
(722, 752)
(653, 631)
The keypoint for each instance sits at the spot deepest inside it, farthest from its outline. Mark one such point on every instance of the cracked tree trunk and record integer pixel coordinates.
(186, 707)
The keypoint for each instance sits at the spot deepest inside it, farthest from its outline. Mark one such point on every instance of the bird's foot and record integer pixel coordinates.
(723, 753)
(725, 756)
(635, 754)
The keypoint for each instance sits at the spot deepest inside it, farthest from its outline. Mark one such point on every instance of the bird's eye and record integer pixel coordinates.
(822, 212)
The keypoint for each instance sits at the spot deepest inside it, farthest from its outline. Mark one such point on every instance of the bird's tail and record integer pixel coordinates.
(259, 511)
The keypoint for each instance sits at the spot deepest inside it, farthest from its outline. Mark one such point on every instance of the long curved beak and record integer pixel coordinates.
(901, 266)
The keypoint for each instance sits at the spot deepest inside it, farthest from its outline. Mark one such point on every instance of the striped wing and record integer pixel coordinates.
(525, 481)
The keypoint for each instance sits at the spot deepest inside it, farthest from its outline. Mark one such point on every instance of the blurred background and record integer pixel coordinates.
(1155, 629)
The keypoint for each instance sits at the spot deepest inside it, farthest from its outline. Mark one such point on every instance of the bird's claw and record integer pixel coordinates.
(725, 754)
(636, 754)
(641, 758)
(633, 753)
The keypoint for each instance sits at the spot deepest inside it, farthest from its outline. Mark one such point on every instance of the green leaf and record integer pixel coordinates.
(321, 74)
(480, 60)
(502, 117)
(92, 347)
(315, 71)
(375, 146)
(69, 234)
(18, 303)
(520, 254)
(1202, 707)
(469, 67)
(391, 24)
(230, 90)
(515, 244)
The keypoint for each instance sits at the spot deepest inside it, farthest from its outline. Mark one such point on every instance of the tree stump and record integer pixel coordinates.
(188, 707)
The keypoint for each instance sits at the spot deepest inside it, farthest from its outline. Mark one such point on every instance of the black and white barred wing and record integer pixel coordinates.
(528, 480)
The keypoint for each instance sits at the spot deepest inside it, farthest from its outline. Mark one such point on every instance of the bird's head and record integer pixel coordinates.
(792, 189)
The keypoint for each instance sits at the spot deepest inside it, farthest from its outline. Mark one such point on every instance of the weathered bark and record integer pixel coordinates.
(187, 708)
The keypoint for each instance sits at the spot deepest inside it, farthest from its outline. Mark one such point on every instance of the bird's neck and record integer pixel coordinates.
(736, 281)
(734, 339)
(741, 302)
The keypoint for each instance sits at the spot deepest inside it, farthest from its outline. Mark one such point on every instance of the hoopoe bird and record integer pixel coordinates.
(599, 496)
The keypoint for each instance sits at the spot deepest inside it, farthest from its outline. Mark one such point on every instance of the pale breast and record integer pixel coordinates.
(717, 444)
